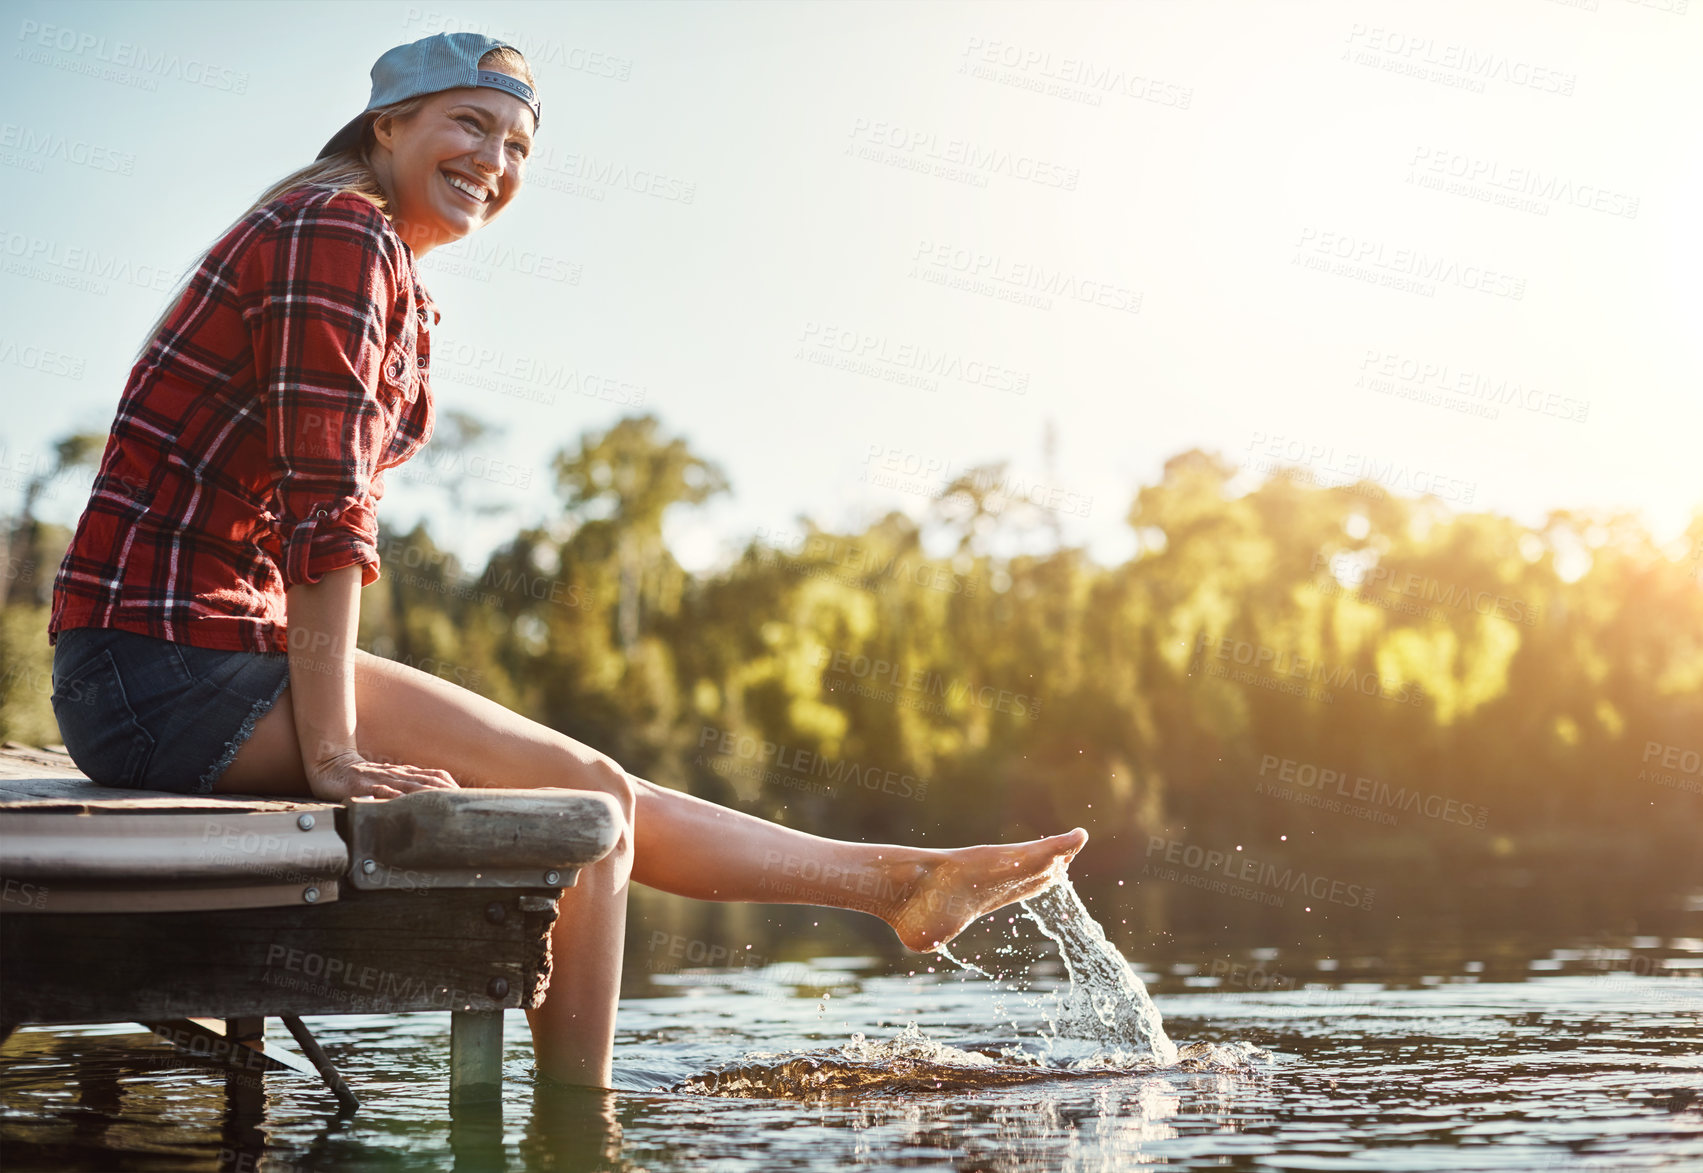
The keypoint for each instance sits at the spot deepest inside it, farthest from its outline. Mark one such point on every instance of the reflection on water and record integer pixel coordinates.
(1591, 1061)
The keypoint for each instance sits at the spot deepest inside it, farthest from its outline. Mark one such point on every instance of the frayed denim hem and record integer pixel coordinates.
(205, 784)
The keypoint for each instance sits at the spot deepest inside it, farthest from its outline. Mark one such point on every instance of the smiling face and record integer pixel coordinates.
(453, 165)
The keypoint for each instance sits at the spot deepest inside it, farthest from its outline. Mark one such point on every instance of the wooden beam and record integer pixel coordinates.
(483, 838)
(38, 779)
(123, 848)
(369, 953)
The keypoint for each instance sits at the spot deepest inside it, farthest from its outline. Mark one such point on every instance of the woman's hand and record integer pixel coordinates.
(323, 618)
(349, 775)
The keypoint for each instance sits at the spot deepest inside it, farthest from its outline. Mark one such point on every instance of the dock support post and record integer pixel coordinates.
(475, 1056)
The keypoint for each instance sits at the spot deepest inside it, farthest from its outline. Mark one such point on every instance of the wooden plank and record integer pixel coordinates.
(106, 860)
(475, 1056)
(369, 953)
(53, 847)
(79, 795)
(480, 838)
(20, 897)
(42, 780)
(22, 760)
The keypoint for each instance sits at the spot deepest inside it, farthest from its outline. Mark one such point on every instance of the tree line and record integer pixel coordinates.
(1338, 683)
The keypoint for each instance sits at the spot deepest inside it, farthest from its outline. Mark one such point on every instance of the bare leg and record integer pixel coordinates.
(671, 841)
(573, 1032)
(695, 848)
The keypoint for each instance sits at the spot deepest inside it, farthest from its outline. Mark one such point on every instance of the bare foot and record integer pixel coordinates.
(973, 881)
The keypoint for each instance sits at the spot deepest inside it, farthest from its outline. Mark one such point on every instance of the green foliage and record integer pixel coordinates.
(861, 688)
(26, 678)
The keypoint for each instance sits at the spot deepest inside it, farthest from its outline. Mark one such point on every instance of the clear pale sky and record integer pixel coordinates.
(725, 195)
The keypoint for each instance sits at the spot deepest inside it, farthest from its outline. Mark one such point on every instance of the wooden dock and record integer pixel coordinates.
(200, 917)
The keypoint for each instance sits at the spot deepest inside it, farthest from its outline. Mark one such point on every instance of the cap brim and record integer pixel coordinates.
(347, 138)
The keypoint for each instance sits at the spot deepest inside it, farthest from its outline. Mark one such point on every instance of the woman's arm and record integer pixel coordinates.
(323, 618)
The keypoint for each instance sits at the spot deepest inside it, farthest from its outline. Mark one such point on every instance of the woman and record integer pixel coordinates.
(204, 617)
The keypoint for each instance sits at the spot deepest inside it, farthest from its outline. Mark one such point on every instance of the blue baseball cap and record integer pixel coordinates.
(442, 61)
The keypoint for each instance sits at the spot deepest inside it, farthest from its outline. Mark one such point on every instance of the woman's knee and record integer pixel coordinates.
(579, 767)
(604, 774)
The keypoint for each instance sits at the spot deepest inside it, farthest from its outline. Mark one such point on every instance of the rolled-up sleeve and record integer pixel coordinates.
(326, 289)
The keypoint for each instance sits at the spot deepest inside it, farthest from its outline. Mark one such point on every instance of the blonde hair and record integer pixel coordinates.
(349, 170)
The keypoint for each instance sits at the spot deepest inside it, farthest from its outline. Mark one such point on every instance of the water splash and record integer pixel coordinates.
(1106, 1003)
(966, 965)
(910, 1062)
(1102, 1021)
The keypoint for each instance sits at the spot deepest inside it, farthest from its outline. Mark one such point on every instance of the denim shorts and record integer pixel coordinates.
(151, 714)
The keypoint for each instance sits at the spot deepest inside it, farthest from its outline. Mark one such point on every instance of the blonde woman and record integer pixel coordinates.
(204, 617)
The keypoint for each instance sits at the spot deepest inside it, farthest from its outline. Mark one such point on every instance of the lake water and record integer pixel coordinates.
(1587, 1056)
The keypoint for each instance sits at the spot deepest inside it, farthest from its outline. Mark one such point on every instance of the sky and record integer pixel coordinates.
(850, 250)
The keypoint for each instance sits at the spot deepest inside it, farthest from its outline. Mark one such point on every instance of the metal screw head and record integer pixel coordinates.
(305, 822)
(368, 867)
(552, 877)
(310, 895)
(496, 913)
(499, 987)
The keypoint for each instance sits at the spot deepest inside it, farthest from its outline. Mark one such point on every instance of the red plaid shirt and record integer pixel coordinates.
(247, 452)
